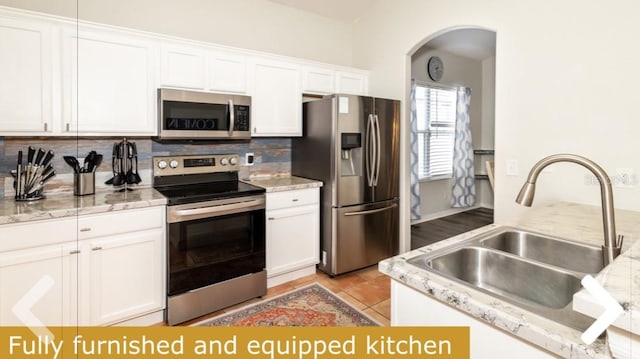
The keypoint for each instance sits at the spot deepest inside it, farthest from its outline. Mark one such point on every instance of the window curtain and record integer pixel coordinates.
(464, 187)
(413, 139)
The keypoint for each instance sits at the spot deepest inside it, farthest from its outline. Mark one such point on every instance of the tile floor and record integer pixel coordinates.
(367, 290)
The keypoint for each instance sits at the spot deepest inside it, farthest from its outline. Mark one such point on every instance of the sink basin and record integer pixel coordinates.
(565, 254)
(498, 273)
(536, 272)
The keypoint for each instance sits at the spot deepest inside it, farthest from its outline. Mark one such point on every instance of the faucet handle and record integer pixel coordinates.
(619, 240)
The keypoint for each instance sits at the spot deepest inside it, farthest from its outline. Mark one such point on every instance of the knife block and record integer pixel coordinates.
(84, 183)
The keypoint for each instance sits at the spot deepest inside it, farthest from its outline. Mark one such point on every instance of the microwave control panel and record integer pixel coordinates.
(242, 118)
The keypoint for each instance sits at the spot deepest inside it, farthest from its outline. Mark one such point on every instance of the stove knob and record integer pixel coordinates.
(162, 165)
(173, 164)
(233, 161)
(224, 161)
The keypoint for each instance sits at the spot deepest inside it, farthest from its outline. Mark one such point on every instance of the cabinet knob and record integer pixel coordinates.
(86, 229)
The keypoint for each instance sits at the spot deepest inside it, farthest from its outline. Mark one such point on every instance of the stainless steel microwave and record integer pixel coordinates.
(193, 115)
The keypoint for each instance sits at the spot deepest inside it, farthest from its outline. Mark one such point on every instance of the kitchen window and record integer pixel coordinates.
(436, 115)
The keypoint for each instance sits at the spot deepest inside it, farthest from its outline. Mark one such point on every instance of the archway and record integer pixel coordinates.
(468, 56)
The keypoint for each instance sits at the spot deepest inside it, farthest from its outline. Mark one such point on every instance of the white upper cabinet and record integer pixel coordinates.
(26, 73)
(317, 80)
(109, 83)
(227, 72)
(183, 66)
(351, 82)
(276, 99)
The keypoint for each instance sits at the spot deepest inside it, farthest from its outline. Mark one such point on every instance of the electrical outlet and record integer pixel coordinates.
(248, 159)
(512, 167)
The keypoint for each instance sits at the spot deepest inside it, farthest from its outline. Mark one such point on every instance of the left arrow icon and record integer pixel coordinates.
(22, 309)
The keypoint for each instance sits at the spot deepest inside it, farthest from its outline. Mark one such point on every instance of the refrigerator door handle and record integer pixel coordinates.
(371, 211)
(368, 156)
(377, 131)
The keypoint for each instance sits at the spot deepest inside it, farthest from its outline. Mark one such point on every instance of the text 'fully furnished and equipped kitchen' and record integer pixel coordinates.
(169, 163)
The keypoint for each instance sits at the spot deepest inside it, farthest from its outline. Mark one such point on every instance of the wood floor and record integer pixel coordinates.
(429, 232)
(367, 290)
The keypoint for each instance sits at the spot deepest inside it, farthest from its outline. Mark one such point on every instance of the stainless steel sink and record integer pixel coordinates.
(498, 273)
(536, 272)
(558, 252)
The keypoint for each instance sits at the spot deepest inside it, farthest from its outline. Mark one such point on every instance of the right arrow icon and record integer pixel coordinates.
(612, 309)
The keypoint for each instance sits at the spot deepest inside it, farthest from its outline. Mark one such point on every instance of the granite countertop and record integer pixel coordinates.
(574, 221)
(67, 205)
(283, 183)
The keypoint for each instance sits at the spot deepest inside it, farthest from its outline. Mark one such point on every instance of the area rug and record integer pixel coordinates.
(312, 305)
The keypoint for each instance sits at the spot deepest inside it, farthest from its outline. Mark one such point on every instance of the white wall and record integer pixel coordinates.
(252, 24)
(487, 140)
(566, 81)
(458, 71)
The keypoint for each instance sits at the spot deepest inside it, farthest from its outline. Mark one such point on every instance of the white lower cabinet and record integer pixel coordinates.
(114, 276)
(293, 234)
(410, 307)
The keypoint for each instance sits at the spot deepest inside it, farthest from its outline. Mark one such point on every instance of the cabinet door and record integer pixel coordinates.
(353, 83)
(276, 99)
(127, 276)
(26, 85)
(183, 67)
(292, 239)
(47, 274)
(111, 87)
(227, 72)
(318, 81)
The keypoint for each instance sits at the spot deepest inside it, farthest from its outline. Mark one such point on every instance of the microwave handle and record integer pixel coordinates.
(232, 118)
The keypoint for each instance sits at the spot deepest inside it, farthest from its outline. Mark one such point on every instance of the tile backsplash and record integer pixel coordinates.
(272, 157)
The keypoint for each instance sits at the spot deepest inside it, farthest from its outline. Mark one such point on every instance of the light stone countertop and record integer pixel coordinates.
(283, 183)
(568, 220)
(67, 205)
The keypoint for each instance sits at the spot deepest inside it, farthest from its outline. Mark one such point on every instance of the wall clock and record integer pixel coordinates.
(435, 68)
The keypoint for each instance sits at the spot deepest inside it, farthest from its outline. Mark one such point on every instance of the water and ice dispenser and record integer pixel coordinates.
(351, 154)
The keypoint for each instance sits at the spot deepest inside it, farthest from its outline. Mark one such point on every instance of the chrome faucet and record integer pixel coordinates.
(612, 245)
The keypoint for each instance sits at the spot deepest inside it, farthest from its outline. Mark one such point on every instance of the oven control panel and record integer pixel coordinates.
(195, 164)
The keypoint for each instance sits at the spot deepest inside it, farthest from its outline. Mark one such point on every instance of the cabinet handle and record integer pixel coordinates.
(271, 218)
(67, 127)
(96, 248)
(86, 229)
(75, 251)
(294, 200)
(45, 126)
(255, 130)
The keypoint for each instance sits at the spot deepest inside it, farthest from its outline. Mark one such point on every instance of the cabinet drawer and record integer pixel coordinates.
(36, 233)
(120, 222)
(293, 198)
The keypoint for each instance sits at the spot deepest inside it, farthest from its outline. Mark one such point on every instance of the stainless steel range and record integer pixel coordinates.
(215, 234)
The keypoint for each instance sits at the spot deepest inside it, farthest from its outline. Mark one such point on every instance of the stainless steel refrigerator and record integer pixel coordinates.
(352, 144)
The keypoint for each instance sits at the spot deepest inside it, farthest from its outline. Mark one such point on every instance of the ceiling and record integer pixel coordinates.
(475, 44)
(341, 10)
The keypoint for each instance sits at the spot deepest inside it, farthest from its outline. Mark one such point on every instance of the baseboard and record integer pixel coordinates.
(289, 276)
(447, 212)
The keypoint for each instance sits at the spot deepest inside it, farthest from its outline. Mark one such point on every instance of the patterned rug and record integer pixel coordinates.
(308, 306)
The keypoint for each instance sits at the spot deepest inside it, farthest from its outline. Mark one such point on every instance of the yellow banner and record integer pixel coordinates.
(235, 342)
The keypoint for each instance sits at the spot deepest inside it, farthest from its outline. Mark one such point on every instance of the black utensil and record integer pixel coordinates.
(30, 153)
(47, 158)
(87, 166)
(39, 157)
(131, 178)
(97, 162)
(135, 172)
(19, 175)
(73, 162)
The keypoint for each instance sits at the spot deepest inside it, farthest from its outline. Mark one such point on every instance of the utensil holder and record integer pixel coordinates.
(84, 183)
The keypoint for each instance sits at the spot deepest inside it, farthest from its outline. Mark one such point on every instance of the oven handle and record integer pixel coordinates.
(182, 215)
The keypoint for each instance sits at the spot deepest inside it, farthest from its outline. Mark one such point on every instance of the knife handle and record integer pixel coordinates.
(39, 156)
(47, 158)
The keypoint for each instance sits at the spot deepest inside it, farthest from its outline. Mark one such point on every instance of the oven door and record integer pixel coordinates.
(210, 242)
(202, 115)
